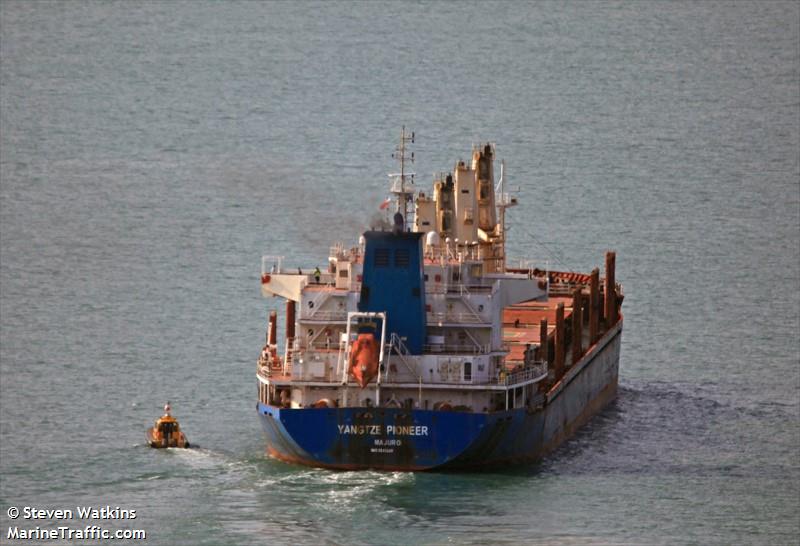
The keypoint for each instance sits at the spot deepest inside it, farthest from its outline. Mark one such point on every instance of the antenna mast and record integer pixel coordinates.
(403, 183)
(504, 201)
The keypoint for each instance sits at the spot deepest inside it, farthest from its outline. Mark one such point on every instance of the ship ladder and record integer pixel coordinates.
(402, 351)
(288, 358)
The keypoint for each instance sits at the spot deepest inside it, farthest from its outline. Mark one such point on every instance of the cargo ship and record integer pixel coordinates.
(419, 347)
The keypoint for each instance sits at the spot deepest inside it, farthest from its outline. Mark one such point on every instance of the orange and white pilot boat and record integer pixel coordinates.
(166, 432)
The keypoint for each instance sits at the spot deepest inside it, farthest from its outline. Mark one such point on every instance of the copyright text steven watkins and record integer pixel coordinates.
(67, 527)
(80, 512)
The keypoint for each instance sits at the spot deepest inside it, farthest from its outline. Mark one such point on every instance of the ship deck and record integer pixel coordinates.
(522, 325)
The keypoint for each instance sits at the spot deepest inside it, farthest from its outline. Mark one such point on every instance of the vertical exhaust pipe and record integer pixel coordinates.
(611, 290)
(544, 353)
(594, 302)
(577, 326)
(560, 334)
(272, 339)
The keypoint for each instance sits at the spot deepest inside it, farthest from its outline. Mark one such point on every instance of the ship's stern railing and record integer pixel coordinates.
(457, 349)
(531, 373)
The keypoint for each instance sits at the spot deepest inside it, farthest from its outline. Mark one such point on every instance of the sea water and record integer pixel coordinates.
(152, 152)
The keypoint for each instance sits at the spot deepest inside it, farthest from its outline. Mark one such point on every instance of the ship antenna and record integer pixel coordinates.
(503, 201)
(403, 182)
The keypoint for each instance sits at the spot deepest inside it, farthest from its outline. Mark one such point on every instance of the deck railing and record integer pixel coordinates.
(327, 316)
(534, 371)
(538, 371)
(467, 318)
(443, 287)
(457, 349)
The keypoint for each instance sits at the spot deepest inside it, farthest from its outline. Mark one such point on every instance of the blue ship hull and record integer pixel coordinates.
(399, 439)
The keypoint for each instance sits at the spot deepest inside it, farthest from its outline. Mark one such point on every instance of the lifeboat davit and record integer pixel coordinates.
(166, 432)
(364, 356)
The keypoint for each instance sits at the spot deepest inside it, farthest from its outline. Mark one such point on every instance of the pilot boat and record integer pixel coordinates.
(166, 432)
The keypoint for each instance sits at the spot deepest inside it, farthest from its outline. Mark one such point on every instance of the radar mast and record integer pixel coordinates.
(403, 186)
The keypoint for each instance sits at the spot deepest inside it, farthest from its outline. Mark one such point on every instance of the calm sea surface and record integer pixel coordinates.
(152, 152)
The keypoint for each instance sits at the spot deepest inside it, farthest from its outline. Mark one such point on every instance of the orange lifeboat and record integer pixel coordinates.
(364, 356)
